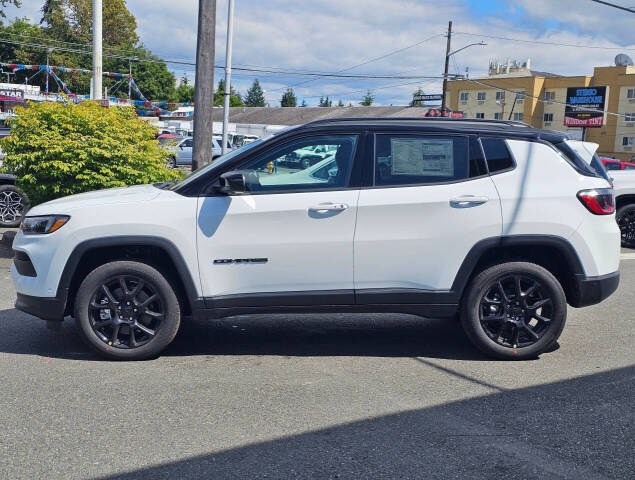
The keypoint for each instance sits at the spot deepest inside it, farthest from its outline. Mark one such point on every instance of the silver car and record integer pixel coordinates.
(182, 152)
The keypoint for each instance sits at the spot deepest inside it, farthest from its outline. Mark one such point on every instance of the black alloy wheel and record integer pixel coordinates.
(516, 311)
(126, 312)
(13, 206)
(626, 221)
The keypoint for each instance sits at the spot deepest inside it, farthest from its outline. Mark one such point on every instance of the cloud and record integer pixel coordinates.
(331, 35)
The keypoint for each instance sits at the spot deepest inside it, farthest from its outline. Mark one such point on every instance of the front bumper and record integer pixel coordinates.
(46, 308)
(592, 290)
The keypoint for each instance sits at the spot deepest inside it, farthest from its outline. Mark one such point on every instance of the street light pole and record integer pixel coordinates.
(204, 84)
(447, 65)
(228, 73)
(97, 59)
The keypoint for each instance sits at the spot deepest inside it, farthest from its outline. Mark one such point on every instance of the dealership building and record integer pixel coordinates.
(579, 105)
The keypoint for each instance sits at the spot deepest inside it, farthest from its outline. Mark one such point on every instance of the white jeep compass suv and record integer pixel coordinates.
(496, 221)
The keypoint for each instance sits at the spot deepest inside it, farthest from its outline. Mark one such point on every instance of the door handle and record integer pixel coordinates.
(328, 207)
(468, 201)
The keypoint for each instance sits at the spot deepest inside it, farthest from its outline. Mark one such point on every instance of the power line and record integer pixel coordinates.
(541, 42)
(366, 62)
(614, 5)
(526, 95)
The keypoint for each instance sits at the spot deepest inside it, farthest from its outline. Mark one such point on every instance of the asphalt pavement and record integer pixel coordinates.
(306, 396)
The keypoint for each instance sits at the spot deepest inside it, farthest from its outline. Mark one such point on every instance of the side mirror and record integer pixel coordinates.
(237, 182)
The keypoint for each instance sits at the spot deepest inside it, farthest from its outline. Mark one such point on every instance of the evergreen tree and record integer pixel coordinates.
(255, 96)
(368, 99)
(325, 102)
(303, 103)
(219, 94)
(288, 99)
(417, 103)
(340, 103)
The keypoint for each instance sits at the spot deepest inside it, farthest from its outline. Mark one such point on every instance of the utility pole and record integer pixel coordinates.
(228, 72)
(204, 86)
(447, 65)
(97, 37)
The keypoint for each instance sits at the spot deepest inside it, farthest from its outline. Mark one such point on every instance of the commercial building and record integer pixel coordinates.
(515, 91)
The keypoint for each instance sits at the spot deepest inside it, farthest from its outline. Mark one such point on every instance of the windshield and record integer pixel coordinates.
(219, 162)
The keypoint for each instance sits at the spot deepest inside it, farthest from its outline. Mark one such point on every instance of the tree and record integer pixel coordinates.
(303, 103)
(58, 149)
(185, 91)
(368, 99)
(325, 102)
(340, 103)
(4, 3)
(289, 99)
(255, 96)
(219, 96)
(71, 21)
(417, 103)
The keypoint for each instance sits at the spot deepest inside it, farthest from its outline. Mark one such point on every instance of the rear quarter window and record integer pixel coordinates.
(497, 155)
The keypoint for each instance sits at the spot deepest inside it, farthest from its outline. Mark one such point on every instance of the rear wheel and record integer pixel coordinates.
(13, 206)
(626, 221)
(127, 310)
(514, 311)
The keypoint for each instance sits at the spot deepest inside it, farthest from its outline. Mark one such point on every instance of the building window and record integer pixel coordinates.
(500, 96)
(465, 96)
(629, 117)
(547, 117)
(480, 115)
(550, 96)
(498, 116)
(518, 117)
(480, 96)
(628, 141)
(630, 93)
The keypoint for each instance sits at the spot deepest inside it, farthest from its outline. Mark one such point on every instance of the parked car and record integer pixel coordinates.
(13, 202)
(615, 164)
(182, 152)
(306, 157)
(169, 138)
(494, 221)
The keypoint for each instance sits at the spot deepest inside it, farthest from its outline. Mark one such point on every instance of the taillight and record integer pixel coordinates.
(599, 201)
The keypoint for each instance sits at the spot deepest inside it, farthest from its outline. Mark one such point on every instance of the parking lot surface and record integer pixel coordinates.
(336, 396)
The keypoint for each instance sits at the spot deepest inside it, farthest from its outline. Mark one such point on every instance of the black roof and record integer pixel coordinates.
(507, 128)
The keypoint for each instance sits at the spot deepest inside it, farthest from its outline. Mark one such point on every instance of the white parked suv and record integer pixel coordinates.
(493, 220)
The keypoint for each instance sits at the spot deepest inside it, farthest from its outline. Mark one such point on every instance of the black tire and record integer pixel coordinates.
(306, 163)
(499, 325)
(13, 206)
(173, 163)
(626, 221)
(157, 310)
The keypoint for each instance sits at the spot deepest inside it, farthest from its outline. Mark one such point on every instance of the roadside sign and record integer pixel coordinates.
(427, 98)
(11, 95)
(585, 106)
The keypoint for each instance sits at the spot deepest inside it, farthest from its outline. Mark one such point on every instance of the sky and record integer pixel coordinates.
(334, 35)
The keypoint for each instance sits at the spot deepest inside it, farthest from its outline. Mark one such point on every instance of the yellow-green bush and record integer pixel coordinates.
(59, 149)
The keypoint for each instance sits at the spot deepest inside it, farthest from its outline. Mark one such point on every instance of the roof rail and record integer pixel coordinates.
(426, 119)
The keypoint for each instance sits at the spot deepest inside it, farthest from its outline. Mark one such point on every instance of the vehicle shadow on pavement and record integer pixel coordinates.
(376, 335)
(572, 429)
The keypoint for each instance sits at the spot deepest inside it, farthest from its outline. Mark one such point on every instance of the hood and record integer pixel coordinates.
(135, 194)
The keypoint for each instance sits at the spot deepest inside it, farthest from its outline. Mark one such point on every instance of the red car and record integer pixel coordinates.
(615, 164)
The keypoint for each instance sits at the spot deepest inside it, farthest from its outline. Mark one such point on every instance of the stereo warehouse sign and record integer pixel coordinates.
(585, 106)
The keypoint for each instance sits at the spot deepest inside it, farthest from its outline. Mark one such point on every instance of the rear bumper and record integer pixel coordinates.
(46, 308)
(592, 290)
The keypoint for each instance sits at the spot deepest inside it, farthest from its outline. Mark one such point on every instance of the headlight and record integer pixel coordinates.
(43, 224)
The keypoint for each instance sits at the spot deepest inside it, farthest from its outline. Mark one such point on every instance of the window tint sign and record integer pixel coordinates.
(585, 106)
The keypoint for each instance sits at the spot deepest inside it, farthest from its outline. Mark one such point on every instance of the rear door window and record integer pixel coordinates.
(402, 159)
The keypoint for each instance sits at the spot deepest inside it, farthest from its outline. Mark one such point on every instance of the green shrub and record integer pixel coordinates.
(58, 149)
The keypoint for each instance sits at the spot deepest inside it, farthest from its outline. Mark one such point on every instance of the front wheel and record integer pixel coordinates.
(626, 221)
(13, 206)
(127, 311)
(514, 311)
